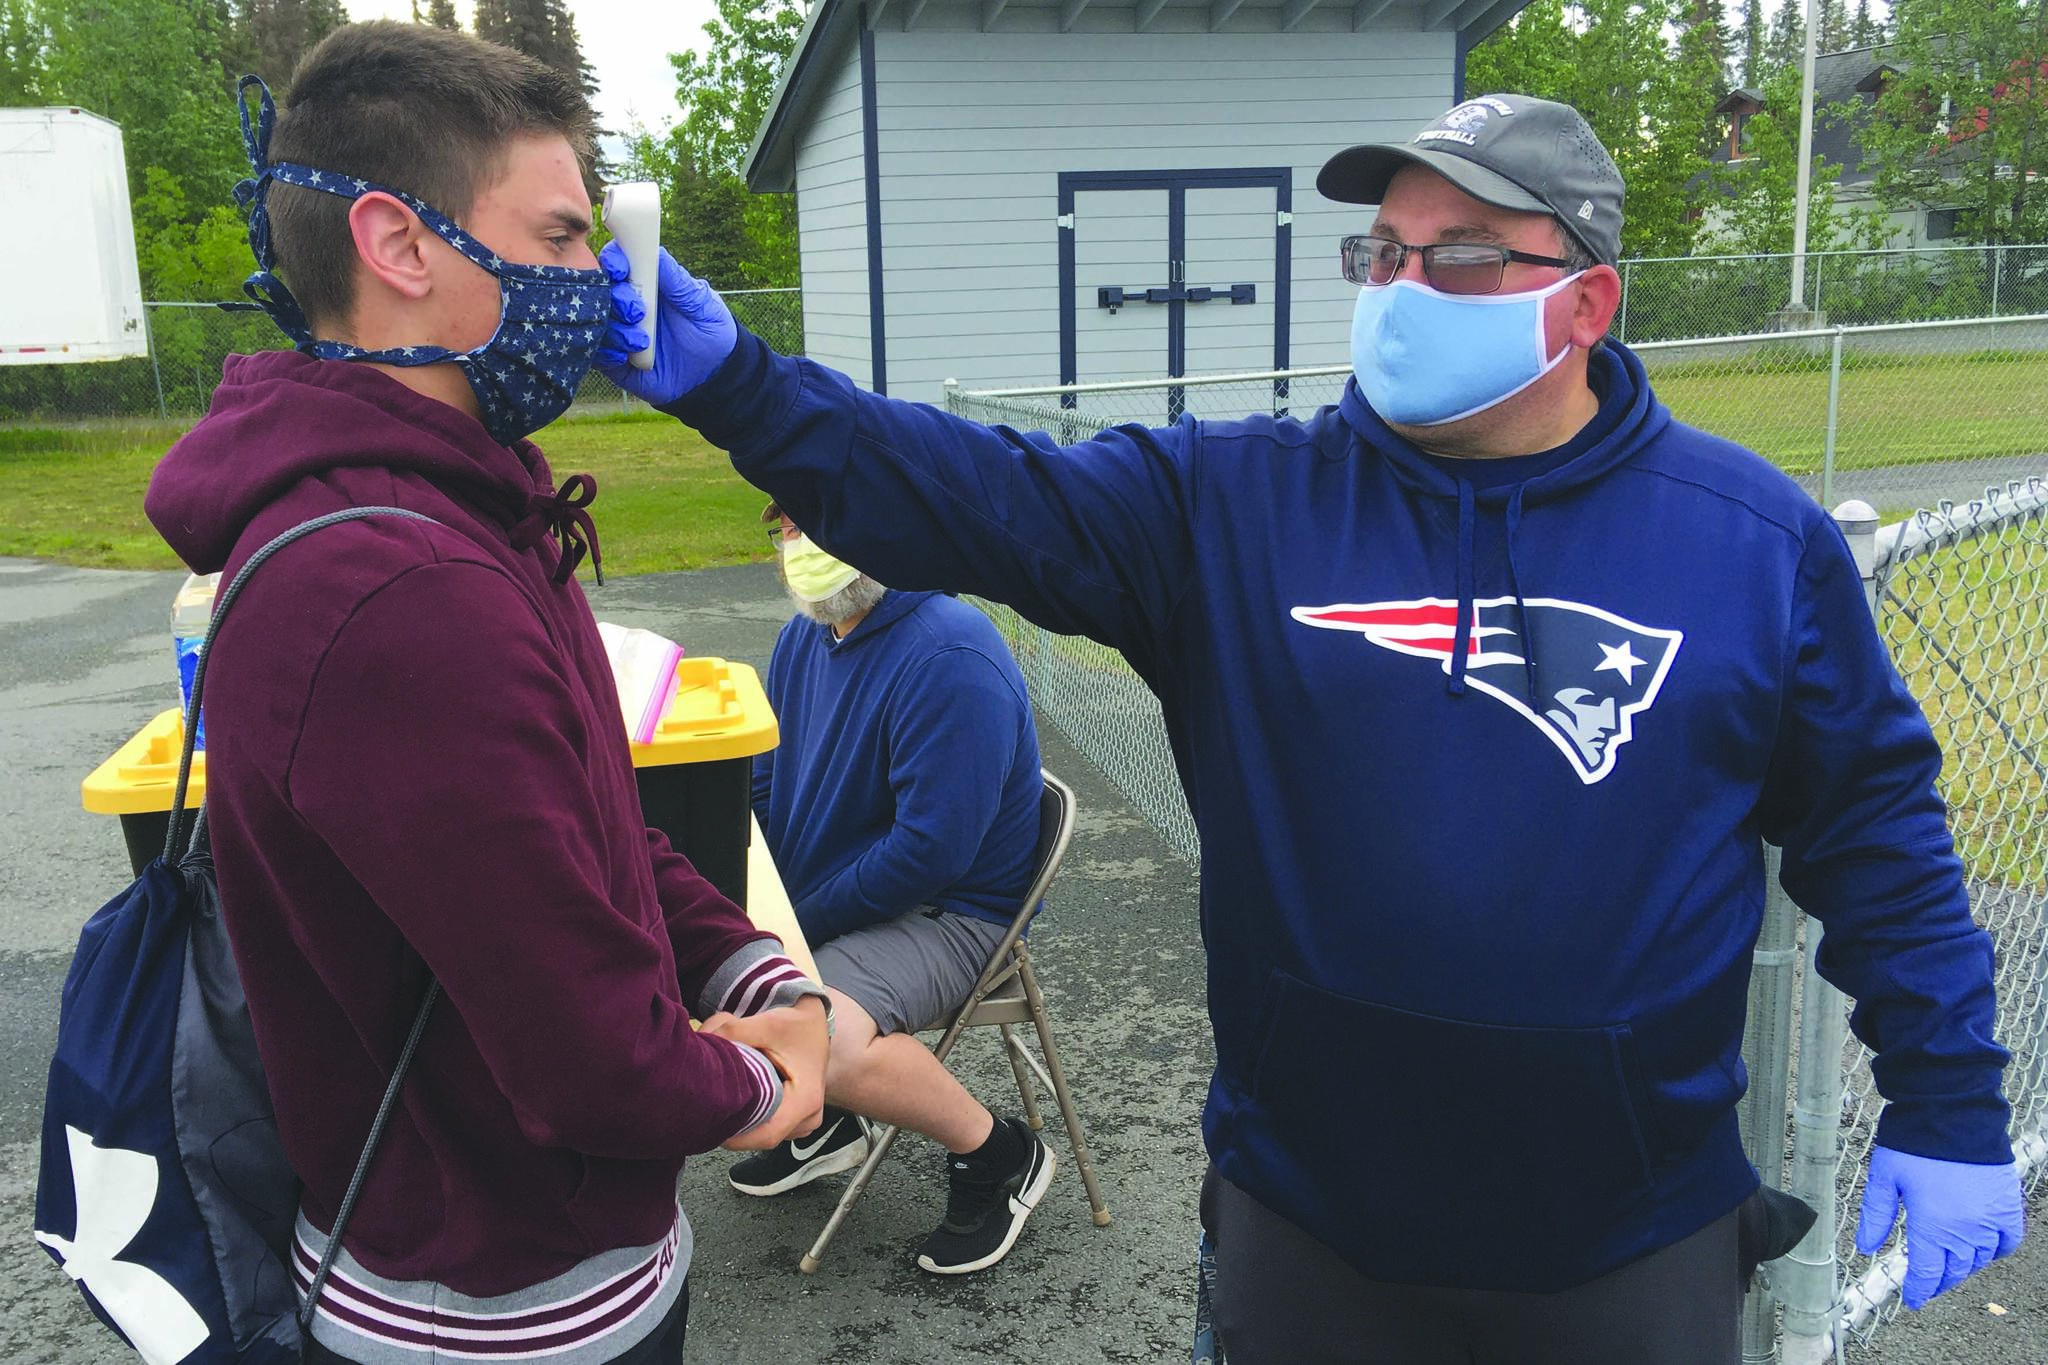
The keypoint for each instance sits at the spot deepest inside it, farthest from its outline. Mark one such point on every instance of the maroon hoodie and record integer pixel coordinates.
(416, 764)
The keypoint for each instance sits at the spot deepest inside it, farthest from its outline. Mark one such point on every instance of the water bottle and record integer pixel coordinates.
(191, 610)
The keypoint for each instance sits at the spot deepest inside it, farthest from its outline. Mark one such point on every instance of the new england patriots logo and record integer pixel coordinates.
(1595, 671)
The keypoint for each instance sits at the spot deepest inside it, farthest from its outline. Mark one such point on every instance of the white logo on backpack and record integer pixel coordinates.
(116, 1191)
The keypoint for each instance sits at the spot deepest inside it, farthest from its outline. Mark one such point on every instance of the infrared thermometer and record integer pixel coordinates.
(632, 214)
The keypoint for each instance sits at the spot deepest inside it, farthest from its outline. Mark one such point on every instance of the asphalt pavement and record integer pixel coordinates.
(85, 659)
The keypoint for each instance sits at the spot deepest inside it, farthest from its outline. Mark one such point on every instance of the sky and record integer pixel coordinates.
(627, 42)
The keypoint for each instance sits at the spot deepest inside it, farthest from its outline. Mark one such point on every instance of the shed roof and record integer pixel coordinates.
(771, 162)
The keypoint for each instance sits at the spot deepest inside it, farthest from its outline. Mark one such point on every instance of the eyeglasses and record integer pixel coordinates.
(1453, 267)
(778, 534)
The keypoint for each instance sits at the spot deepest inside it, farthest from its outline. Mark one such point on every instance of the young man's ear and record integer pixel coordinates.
(390, 244)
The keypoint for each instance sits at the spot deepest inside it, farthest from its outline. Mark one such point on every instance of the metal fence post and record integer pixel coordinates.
(1827, 458)
(1621, 322)
(1767, 1055)
(1997, 262)
(1811, 1291)
(155, 367)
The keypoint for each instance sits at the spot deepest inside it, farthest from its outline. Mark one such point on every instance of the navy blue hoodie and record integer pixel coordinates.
(1482, 777)
(908, 770)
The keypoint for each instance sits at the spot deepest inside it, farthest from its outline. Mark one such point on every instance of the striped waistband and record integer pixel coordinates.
(590, 1313)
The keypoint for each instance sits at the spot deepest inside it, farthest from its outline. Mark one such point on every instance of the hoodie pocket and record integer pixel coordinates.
(1428, 1126)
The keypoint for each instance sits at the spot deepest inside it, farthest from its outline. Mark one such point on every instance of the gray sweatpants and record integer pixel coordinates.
(1283, 1298)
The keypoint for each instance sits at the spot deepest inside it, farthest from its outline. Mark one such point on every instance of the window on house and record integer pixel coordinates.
(1941, 224)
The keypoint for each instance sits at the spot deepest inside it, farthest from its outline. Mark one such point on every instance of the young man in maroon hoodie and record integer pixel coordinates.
(417, 768)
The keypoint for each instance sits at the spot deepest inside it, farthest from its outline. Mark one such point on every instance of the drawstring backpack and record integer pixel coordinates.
(164, 1191)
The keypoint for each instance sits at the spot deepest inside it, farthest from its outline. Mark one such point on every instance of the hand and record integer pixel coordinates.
(693, 331)
(794, 1040)
(1960, 1217)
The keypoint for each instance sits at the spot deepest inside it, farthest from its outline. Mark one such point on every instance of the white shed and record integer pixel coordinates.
(1010, 192)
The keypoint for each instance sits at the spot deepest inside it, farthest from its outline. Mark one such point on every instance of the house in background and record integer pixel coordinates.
(1010, 192)
(1846, 88)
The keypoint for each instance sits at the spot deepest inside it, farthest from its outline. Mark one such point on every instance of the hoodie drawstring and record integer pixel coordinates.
(562, 512)
(1461, 641)
(1514, 522)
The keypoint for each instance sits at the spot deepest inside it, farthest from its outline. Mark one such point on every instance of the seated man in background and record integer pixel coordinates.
(902, 810)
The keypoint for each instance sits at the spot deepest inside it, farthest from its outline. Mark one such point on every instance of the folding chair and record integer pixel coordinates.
(1006, 994)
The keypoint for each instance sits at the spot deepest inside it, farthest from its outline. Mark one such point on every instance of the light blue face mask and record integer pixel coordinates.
(1424, 358)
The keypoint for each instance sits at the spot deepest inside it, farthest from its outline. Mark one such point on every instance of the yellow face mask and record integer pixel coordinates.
(812, 574)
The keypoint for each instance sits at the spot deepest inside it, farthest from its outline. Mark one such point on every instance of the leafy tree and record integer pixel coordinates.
(1965, 125)
(1649, 98)
(21, 53)
(152, 67)
(1760, 207)
(183, 251)
(724, 89)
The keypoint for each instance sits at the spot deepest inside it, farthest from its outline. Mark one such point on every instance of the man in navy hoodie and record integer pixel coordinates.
(902, 810)
(415, 765)
(1486, 686)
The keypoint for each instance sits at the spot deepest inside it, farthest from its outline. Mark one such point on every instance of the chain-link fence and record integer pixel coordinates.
(188, 342)
(1901, 416)
(1682, 297)
(1961, 597)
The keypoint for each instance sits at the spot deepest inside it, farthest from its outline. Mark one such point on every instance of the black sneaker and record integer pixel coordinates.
(840, 1144)
(986, 1208)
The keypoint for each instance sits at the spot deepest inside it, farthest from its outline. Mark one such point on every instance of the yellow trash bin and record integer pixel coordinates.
(696, 777)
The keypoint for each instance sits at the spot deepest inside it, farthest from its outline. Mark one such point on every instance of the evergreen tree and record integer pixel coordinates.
(1752, 51)
(543, 29)
(1785, 46)
(441, 14)
(1706, 29)
(568, 48)
(1834, 25)
(523, 25)
(282, 31)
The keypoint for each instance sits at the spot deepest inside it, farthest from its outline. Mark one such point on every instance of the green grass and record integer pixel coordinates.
(1894, 409)
(666, 500)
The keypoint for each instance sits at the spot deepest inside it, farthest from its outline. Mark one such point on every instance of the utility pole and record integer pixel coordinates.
(1797, 305)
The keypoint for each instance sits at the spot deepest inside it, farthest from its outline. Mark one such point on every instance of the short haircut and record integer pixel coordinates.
(1574, 252)
(410, 106)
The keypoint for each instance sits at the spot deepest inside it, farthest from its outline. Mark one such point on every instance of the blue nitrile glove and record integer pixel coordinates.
(1960, 1217)
(695, 331)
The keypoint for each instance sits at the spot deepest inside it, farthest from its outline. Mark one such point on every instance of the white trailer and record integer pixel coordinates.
(69, 288)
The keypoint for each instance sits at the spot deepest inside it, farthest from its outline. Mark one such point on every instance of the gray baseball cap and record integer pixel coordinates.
(1511, 151)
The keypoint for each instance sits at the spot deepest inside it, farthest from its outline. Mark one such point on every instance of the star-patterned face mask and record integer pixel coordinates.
(551, 319)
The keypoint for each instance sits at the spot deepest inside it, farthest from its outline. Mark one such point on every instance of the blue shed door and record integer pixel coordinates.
(1170, 273)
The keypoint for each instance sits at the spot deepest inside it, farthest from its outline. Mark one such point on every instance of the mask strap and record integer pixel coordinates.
(263, 287)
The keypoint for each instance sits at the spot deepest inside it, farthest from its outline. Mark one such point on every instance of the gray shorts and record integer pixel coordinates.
(912, 972)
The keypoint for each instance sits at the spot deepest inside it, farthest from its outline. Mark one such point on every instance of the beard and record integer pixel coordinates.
(862, 595)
